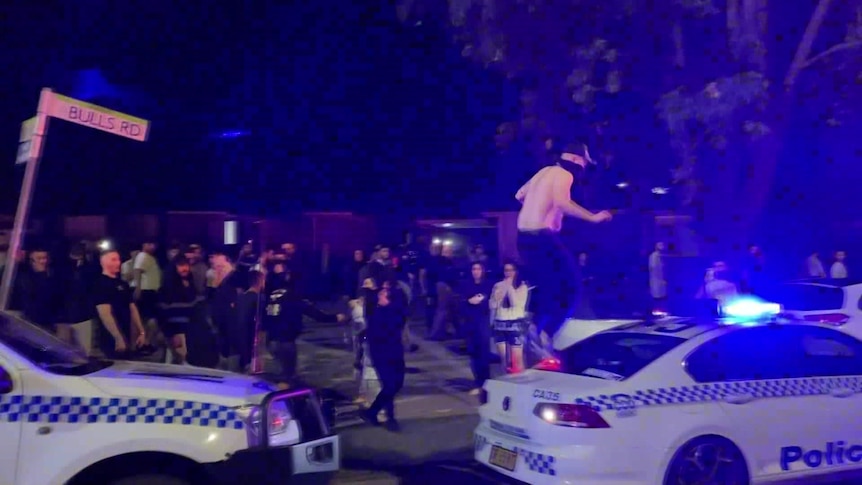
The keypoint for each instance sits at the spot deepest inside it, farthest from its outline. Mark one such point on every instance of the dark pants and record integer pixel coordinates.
(286, 355)
(479, 346)
(229, 336)
(201, 341)
(550, 266)
(430, 310)
(390, 367)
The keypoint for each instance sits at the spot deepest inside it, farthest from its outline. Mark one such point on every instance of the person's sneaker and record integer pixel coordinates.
(392, 426)
(475, 392)
(369, 417)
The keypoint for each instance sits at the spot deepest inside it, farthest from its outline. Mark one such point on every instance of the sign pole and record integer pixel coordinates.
(26, 197)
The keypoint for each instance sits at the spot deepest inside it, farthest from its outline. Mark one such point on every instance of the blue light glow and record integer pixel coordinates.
(749, 308)
(233, 134)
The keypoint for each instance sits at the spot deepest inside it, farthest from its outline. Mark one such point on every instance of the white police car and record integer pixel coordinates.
(66, 419)
(682, 401)
(835, 302)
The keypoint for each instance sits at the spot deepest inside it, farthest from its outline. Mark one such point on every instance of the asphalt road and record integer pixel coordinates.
(436, 413)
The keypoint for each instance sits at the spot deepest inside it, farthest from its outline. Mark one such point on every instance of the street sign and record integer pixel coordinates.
(25, 141)
(87, 114)
(33, 134)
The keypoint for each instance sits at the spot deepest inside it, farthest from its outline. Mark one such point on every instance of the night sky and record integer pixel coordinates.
(344, 108)
(341, 108)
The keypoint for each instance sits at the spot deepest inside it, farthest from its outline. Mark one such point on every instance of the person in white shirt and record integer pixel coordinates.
(148, 281)
(657, 283)
(127, 271)
(839, 268)
(508, 305)
(549, 265)
(717, 284)
(814, 267)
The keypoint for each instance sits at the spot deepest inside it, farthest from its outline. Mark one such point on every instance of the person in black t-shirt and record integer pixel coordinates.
(223, 310)
(177, 300)
(248, 310)
(282, 321)
(122, 330)
(386, 314)
(39, 291)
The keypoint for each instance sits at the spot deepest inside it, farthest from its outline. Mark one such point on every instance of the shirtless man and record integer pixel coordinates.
(545, 199)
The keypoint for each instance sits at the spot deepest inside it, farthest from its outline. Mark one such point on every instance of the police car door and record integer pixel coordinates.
(832, 361)
(10, 426)
(764, 393)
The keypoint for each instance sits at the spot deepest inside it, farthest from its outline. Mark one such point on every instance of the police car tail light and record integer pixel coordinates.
(836, 319)
(570, 415)
(549, 364)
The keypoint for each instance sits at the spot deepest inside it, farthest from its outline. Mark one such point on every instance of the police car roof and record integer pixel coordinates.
(835, 282)
(680, 327)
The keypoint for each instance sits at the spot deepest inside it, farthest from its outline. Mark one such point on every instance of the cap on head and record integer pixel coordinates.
(574, 150)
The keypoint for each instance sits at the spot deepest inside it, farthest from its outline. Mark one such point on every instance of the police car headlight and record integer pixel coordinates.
(250, 416)
(281, 428)
(279, 416)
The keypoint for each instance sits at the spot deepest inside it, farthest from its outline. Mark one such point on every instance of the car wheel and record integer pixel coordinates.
(150, 479)
(709, 460)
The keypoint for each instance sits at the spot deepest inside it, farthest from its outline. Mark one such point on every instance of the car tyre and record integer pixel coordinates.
(150, 479)
(708, 460)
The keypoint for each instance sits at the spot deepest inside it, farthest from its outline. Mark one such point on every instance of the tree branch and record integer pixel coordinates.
(828, 52)
(805, 45)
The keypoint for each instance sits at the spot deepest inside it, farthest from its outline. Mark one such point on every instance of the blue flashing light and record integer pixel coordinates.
(748, 308)
(227, 135)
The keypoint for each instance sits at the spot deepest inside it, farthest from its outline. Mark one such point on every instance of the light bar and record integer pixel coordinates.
(750, 308)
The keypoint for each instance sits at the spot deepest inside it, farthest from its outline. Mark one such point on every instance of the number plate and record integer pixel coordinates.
(503, 458)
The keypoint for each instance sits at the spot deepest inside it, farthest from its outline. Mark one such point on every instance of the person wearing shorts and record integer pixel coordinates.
(177, 300)
(148, 281)
(508, 305)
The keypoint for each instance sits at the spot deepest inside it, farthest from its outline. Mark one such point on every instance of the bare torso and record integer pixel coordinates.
(539, 212)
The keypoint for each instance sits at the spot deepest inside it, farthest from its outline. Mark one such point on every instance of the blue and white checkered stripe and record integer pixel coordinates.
(776, 388)
(64, 409)
(539, 463)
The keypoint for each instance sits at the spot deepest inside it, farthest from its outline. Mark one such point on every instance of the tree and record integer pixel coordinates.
(750, 106)
(569, 53)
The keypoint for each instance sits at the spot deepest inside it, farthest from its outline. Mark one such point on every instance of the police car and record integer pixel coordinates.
(749, 397)
(67, 419)
(835, 302)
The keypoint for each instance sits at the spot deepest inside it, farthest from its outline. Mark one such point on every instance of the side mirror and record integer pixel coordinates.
(6, 384)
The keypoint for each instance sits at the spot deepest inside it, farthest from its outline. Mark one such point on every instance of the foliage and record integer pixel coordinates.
(564, 44)
(714, 108)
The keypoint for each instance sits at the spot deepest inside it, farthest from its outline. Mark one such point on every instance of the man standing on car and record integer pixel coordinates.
(545, 199)
(122, 328)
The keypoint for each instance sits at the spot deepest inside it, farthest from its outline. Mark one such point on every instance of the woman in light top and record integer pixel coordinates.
(508, 305)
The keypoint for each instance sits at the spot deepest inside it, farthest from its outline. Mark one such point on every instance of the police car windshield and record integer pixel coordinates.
(615, 355)
(43, 349)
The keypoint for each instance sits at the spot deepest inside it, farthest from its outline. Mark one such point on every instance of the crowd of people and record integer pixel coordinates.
(205, 311)
(223, 308)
